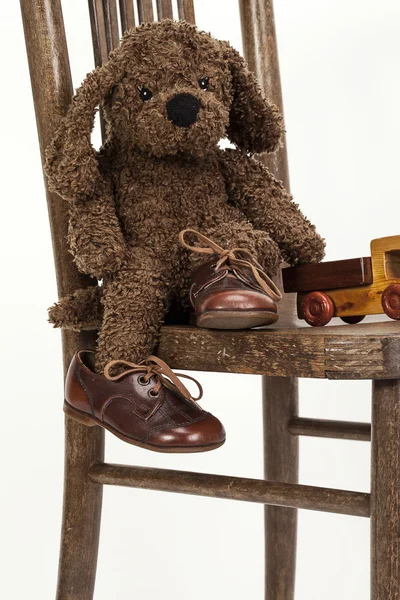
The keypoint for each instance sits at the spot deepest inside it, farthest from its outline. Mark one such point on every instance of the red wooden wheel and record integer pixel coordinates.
(353, 320)
(317, 309)
(391, 301)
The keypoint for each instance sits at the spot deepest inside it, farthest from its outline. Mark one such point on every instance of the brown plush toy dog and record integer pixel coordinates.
(169, 93)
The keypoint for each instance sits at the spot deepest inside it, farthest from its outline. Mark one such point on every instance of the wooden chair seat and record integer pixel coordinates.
(363, 351)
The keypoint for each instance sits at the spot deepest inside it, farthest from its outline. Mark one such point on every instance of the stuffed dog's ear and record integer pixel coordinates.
(71, 161)
(255, 125)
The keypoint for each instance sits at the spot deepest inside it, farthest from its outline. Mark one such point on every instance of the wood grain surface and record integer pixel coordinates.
(52, 93)
(385, 491)
(186, 10)
(98, 30)
(234, 488)
(281, 463)
(164, 9)
(363, 351)
(127, 15)
(327, 275)
(145, 11)
(341, 430)
(111, 24)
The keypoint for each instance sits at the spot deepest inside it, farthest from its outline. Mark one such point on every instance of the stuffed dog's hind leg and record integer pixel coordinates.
(134, 308)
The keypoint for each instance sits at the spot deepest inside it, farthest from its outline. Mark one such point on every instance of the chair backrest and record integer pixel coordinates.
(109, 20)
(52, 91)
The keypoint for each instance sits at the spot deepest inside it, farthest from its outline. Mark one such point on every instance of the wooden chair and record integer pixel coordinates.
(347, 352)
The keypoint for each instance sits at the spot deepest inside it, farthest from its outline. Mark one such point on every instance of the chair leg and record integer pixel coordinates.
(385, 491)
(281, 449)
(81, 514)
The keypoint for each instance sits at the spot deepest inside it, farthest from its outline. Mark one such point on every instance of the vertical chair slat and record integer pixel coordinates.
(186, 10)
(101, 42)
(385, 490)
(111, 23)
(127, 15)
(261, 52)
(145, 11)
(52, 92)
(98, 27)
(164, 9)
(281, 452)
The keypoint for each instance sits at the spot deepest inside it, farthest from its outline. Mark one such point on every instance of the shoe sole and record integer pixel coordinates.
(236, 319)
(89, 421)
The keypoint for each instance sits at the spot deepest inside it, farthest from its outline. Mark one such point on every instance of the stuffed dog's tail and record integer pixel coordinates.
(79, 311)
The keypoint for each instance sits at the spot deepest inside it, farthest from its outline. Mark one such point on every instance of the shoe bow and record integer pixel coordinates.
(236, 258)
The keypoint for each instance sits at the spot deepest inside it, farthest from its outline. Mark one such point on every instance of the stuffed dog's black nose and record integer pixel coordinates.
(183, 109)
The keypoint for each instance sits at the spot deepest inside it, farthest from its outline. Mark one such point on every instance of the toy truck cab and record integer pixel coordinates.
(350, 288)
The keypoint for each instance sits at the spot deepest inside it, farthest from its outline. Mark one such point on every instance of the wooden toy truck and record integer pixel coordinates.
(349, 289)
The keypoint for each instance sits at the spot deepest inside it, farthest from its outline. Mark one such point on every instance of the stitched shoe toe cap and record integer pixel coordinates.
(208, 431)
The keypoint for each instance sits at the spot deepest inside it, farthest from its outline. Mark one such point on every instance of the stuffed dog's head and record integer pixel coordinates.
(171, 89)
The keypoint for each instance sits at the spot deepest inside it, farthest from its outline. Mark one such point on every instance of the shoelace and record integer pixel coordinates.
(157, 368)
(235, 258)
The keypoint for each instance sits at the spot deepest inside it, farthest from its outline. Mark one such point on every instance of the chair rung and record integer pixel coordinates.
(344, 430)
(234, 488)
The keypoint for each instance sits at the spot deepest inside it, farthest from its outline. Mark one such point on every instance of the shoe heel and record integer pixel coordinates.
(78, 416)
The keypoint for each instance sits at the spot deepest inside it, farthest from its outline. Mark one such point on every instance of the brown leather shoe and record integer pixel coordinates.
(230, 290)
(146, 405)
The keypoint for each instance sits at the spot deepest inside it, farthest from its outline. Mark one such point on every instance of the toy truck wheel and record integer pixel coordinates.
(391, 301)
(317, 309)
(353, 320)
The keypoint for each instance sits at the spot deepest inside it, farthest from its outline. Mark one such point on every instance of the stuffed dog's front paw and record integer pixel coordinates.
(99, 258)
(309, 250)
(99, 266)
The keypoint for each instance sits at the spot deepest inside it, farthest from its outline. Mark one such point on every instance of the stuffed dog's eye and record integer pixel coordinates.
(203, 83)
(145, 94)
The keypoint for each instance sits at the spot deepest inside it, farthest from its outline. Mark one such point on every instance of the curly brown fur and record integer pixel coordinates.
(79, 311)
(153, 178)
(267, 204)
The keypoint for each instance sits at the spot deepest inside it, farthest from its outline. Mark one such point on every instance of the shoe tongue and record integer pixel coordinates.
(247, 277)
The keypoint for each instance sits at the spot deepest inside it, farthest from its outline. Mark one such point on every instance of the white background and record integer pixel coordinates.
(340, 74)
